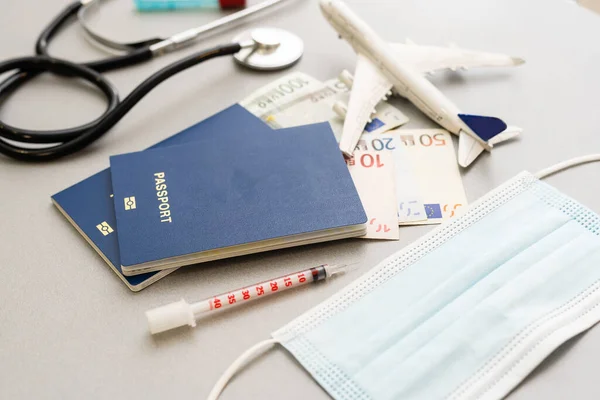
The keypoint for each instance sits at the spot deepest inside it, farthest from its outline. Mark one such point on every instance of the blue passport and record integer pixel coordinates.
(88, 205)
(214, 199)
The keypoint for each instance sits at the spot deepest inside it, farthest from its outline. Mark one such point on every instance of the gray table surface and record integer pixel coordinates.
(70, 329)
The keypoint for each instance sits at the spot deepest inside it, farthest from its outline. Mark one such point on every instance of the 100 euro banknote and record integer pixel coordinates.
(299, 99)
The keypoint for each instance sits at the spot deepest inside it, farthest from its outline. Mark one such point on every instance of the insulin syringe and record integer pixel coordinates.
(182, 313)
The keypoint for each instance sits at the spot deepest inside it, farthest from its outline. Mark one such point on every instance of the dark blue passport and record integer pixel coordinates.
(213, 199)
(89, 206)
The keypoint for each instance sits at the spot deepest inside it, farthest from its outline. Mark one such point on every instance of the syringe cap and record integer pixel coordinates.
(232, 3)
(170, 316)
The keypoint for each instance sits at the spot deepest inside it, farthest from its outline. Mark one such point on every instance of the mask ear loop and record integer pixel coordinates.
(567, 164)
(249, 354)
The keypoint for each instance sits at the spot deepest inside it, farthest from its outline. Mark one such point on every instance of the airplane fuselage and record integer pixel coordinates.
(407, 82)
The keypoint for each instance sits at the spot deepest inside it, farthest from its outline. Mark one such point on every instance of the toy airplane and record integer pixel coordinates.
(383, 67)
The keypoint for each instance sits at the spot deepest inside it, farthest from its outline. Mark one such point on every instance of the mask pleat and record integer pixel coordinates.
(443, 318)
(454, 343)
(408, 305)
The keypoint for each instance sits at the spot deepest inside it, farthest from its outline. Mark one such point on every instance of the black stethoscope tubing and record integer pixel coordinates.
(71, 140)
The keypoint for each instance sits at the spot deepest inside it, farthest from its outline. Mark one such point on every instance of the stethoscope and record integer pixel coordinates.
(262, 49)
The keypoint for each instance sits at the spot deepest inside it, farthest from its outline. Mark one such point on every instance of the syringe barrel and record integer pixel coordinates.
(181, 313)
(261, 289)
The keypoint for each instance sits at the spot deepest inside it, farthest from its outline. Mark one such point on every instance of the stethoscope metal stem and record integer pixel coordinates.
(175, 41)
(180, 39)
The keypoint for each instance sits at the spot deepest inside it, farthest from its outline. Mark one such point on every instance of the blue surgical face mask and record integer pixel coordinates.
(467, 311)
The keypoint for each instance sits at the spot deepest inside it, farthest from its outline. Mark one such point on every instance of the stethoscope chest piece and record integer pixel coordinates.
(273, 49)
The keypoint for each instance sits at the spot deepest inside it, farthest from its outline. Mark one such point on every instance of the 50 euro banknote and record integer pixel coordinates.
(429, 187)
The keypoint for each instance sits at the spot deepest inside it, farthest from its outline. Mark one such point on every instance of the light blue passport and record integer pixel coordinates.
(89, 206)
(213, 199)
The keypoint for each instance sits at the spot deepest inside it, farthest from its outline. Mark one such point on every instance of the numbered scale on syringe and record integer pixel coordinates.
(266, 288)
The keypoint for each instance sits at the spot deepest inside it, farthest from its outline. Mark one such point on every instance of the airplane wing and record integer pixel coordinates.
(429, 59)
(368, 89)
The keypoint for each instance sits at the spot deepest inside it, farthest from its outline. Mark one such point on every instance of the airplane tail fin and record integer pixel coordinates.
(484, 127)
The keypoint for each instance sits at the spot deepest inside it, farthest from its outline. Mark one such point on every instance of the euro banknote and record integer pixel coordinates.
(299, 99)
(429, 187)
(373, 176)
